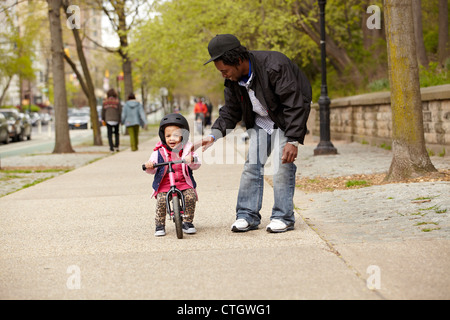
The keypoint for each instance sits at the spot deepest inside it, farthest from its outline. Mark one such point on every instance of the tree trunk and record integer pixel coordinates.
(62, 137)
(2, 96)
(410, 157)
(88, 88)
(418, 33)
(123, 37)
(443, 46)
(127, 76)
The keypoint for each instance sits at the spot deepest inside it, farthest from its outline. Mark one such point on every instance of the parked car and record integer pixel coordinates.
(14, 123)
(25, 124)
(35, 118)
(45, 118)
(4, 134)
(79, 119)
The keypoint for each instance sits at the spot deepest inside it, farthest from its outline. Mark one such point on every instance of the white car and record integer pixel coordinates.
(79, 120)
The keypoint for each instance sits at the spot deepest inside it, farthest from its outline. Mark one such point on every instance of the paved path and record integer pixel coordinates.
(88, 234)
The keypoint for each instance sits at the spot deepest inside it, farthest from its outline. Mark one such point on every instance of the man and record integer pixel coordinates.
(272, 96)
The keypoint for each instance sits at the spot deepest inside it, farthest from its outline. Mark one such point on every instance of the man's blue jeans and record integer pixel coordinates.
(261, 146)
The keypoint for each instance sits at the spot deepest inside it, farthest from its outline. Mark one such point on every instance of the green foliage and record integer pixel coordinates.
(434, 75)
(183, 29)
(430, 40)
(17, 50)
(379, 85)
(431, 76)
(385, 146)
(170, 49)
(353, 183)
(430, 24)
(31, 108)
(17, 43)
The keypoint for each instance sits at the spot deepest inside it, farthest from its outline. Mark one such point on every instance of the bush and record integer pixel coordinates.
(433, 75)
(379, 85)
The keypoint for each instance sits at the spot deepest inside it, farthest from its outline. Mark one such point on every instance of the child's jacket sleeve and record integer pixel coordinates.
(154, 159)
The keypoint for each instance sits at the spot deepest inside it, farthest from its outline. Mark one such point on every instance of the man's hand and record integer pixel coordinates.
(289, 153)
(205, 143)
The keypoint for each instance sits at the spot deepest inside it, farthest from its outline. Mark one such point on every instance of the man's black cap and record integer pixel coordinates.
(220, 44)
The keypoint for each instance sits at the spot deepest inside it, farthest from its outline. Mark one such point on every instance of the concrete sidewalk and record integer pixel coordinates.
(88, 234)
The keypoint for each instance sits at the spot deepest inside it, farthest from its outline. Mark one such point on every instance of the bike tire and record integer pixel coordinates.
(177, 217)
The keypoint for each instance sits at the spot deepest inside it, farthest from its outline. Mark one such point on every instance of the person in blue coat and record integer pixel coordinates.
(133, 116)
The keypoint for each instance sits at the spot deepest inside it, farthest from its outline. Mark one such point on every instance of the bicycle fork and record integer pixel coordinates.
(175, 195)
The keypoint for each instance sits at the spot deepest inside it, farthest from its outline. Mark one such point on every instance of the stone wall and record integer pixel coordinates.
(367, 118)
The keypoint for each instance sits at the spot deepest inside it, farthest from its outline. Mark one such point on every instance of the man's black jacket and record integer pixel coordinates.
(279, 85)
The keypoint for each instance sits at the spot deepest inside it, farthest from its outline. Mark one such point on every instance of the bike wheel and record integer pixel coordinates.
(177, 217)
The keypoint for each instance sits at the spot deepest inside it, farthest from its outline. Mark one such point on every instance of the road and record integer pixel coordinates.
(41, 141)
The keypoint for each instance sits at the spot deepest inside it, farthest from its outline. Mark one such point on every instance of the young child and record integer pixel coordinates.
(174, 145)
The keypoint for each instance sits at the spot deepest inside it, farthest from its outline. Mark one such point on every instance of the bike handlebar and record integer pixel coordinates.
(161, 164)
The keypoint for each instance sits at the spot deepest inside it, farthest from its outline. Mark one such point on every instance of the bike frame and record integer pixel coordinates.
(173, 191)
(174, 194)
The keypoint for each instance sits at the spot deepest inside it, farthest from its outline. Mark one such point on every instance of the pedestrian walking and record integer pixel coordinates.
(174, 145)
(200, 111)
(272, 96)
(133, 116)
(111, 113)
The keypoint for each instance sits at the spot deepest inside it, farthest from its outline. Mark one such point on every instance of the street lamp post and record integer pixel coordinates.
(325, 146)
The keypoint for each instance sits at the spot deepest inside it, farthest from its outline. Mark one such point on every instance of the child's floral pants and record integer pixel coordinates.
(161, 211)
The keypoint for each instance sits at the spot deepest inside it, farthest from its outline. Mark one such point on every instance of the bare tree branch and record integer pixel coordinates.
(110, 50)
(77, 72)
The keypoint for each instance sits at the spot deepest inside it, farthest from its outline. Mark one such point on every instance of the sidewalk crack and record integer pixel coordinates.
(330, 247)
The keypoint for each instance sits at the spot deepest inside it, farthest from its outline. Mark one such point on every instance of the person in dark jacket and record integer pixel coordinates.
(111, 113)
(267, 91)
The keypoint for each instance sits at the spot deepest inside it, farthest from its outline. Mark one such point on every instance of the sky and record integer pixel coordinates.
(109, 36)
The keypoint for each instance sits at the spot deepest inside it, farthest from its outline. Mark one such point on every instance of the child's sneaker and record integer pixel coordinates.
(160, 231)
(189, 228)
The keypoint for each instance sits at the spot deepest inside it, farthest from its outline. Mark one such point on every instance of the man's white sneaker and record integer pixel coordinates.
(276, 226)
(241, 225)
